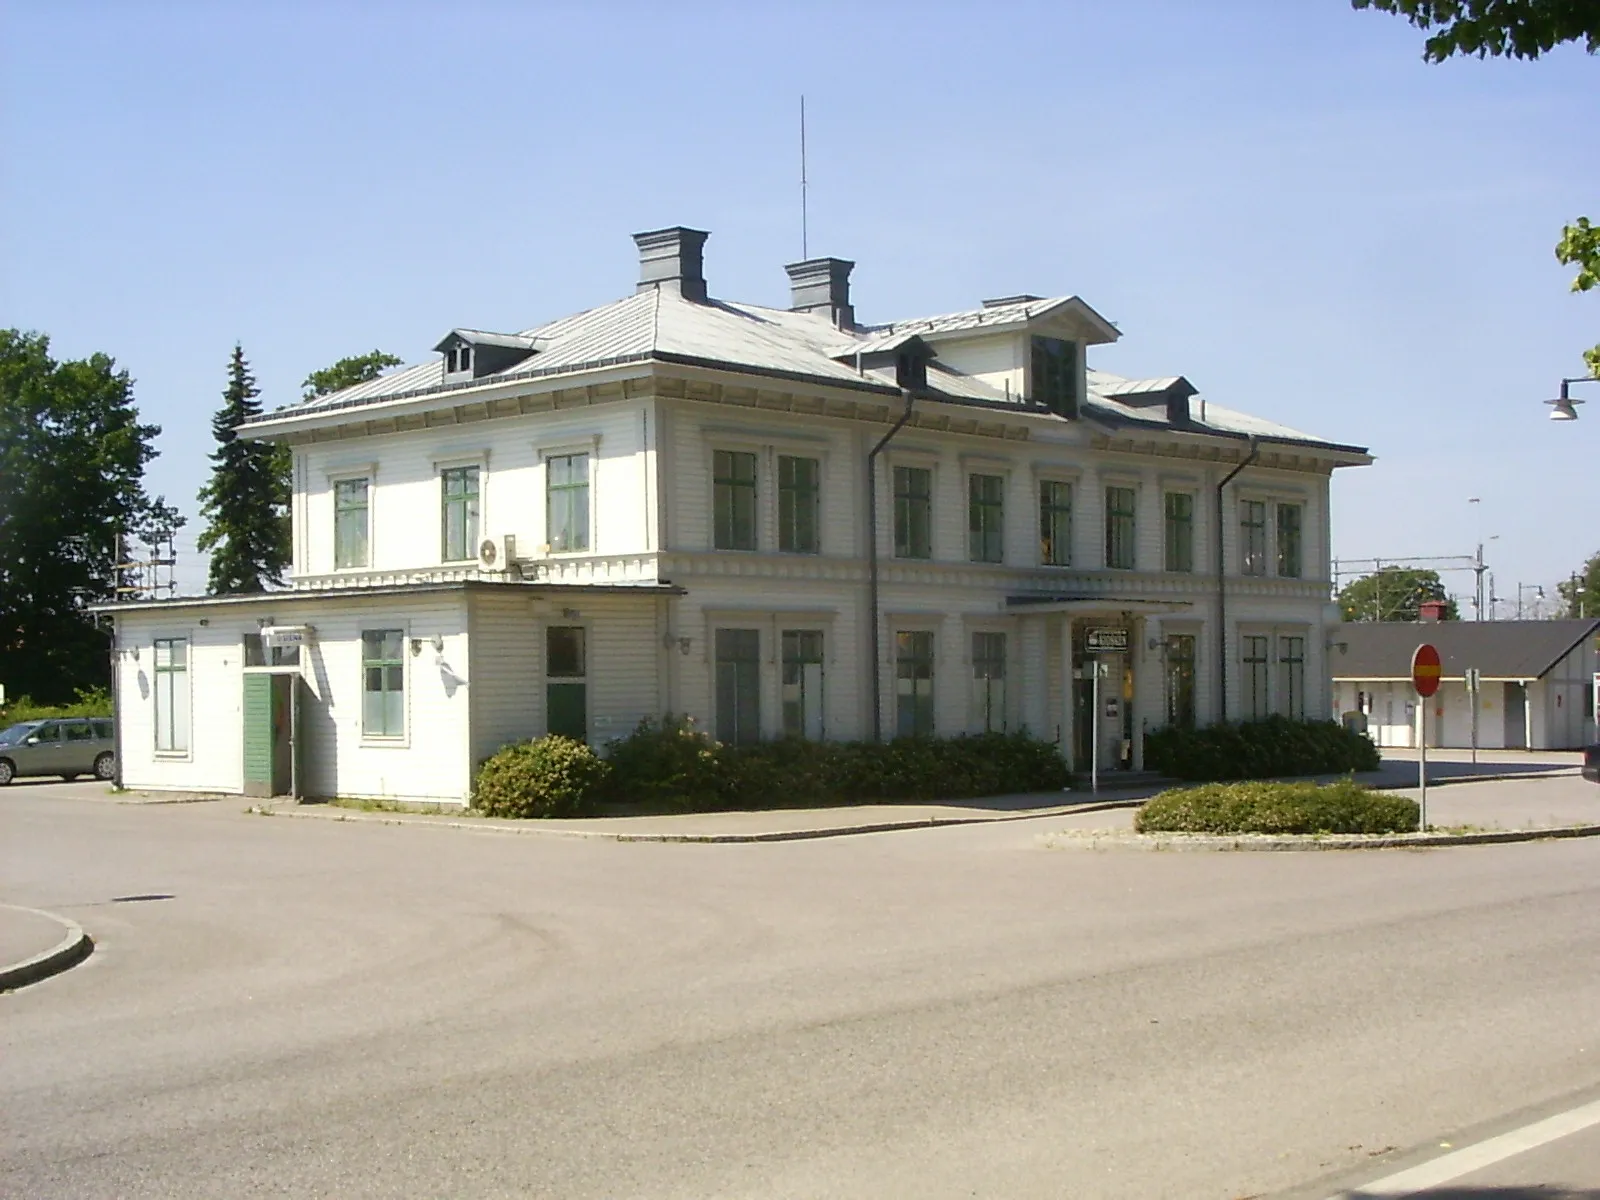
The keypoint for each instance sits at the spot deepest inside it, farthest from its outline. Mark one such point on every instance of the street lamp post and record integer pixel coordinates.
(1538, 594)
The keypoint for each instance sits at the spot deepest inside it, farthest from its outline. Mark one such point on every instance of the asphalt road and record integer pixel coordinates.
(282, 1007)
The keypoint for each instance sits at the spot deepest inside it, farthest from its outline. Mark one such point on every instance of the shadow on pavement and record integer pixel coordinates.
(1530, 1192)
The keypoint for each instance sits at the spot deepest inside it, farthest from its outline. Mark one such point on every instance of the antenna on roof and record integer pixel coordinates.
(805, 239)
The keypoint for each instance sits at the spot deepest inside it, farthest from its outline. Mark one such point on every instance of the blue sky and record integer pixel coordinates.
(1280, 201)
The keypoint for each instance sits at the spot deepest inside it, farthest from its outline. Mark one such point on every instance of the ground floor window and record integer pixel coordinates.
(802, 683)
(989, 681)
(1292, 677)
(913, 703)
(383, 683)
(1255, 703)
(172, 695)
(738, 672)
(565, 688)
(1180, 680)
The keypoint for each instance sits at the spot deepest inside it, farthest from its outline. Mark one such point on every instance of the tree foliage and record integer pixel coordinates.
(246, 503)
(72, 460)
(347, 372)
(1393, 594)
(1582, 591)
(1515, 29)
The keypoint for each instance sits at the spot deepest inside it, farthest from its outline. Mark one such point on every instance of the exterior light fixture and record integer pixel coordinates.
(1564, 407)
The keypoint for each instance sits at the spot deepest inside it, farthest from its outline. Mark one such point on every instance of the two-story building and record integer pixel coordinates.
(781, 522)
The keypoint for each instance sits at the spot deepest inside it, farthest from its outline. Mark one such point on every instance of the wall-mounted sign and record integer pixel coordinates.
(1105, 639)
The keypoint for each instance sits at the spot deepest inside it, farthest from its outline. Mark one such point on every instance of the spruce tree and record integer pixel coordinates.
(246, 504)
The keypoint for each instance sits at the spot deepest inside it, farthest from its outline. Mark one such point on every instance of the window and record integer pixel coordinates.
(457, 359)
(986, 518)
(913, 671)
(734, 500)
(738, 686)
(1290, 517)
(350, 513)
(78, 731)
(1180, 531)
(1180, 680)
(459, 486)
(799, 497)
(1255, 704)
(913, 512)
(567, 502)
(1253, 537)
(1292, 676)
(565, 689)
(1055, 375)
(802, 683)
(1055, 523)
(172, 695)
(383, 686)
(989, 681)
(104, 730)
(1121, 505)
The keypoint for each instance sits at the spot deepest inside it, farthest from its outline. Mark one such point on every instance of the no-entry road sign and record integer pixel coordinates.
(1425, 670)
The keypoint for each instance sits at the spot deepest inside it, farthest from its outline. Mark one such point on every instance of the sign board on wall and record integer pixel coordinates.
(1106, 639)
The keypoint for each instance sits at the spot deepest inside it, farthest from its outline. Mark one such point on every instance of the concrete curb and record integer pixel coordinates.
(1103, 840)
(68, 952)
(482, 825)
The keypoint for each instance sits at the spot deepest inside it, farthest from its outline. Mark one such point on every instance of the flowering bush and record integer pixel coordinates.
(552, 777)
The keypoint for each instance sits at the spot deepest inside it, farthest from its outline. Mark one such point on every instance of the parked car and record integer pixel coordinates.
(65, 746)
(1591, 762)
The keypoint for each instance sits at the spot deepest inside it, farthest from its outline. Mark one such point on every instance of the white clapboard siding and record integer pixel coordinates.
(507, 672)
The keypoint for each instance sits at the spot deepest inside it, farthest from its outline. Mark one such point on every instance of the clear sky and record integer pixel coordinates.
(1279, 200)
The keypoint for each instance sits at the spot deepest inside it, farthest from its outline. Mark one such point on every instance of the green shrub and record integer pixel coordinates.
(1265, 807)
(552, 777)
(91, 702)
(1259, 749)
(667, 764)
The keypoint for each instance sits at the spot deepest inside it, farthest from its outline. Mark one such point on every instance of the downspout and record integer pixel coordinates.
(872, 566)
(116, 706)
(1222, 587)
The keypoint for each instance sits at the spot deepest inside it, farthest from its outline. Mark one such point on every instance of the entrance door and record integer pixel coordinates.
(566, 689)
(1516, 716)
(269, 717)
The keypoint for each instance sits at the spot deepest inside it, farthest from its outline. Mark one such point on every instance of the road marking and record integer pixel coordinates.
(1474, 1158)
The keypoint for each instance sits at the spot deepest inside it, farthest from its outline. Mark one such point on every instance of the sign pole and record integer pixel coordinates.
(1426, 673)
(1422, 766)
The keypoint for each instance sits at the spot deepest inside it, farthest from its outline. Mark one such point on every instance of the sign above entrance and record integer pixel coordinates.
(285, 635)
(1105, 639)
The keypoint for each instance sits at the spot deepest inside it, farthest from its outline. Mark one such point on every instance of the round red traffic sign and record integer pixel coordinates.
(1425, 670)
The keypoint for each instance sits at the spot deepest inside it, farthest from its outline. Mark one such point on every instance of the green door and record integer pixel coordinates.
(258, 735)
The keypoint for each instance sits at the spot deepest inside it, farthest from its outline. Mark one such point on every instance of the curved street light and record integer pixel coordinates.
(1564, 407)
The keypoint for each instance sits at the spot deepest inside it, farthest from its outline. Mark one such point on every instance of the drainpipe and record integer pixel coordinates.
(872, 565)
(1222, 587)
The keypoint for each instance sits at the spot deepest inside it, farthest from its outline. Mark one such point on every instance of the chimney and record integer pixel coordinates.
(1430, 611)
(822, 286)
(671, 259)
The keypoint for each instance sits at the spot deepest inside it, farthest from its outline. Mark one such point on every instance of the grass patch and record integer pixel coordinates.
(365, 804)
(1268, 807)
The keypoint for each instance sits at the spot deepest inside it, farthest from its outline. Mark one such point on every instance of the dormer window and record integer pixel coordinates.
(457, 359)
(1057, 380)
(472, 353)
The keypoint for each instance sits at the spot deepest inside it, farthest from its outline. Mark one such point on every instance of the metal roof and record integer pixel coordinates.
(1382, 650)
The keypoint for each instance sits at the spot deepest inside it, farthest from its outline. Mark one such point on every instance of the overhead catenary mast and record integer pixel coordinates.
(805, 233)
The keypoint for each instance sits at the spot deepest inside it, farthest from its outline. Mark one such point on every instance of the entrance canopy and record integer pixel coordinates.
(1093, 605)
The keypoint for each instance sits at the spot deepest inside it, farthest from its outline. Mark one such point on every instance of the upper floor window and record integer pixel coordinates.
(733, 500)
(567, 502)
(986, 518)
(1253, 537)
(1121, 527)
(1055, 375)
(1179, 551)
(458, 359)
(1055, 523)
(1290, 521)
(459, 513)
(351, 513)
(913, 512)
(172, 695)
(799, 500)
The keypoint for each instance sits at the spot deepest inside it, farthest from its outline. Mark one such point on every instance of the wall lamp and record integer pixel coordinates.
(1564, 407)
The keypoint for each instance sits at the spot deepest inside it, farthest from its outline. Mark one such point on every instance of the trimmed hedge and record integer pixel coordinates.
(552, 777)
(1275, 746)
(1263, 807)
(670, 764)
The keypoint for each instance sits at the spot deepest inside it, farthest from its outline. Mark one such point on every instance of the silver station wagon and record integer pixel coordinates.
(64, 746)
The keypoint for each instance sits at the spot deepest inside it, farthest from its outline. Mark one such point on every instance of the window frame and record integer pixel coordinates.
(1252, 537)
(989, 692)
(1257, 674)
(798, 638)
(721, 712)
(925, 699)
(794, 499)
(723, 484)
(1182, 688)
(368, 478)
(1131, 517)
(1056, 374)
(472, 521)
(1284, 543)
(903, 501)
(158, 672)
(1047, 541)
(566, 454)
(986, 517)
(1290, 698)
(385, 665)
(1178, 553)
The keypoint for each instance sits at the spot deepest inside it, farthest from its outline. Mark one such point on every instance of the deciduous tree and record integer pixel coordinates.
(1393, 594)
(1582, 591)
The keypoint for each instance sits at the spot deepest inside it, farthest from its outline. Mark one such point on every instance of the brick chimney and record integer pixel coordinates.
(672, 259)
(1432, 611)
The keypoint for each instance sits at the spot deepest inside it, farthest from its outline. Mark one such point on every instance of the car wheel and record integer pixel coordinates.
(105, 766)
(7, 771)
